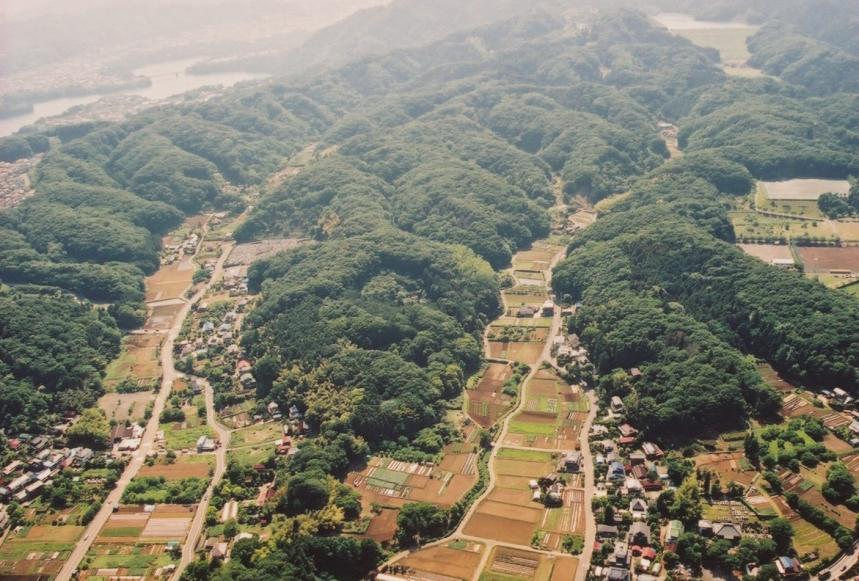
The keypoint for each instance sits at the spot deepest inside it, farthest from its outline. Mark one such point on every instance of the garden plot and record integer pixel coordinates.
(265, 433)
(39, 550)
(727, 466)
(162, 316)
(185, 466)
(552, 416)
(391, 484)
(519, 352)
(454, 560)
(508, 564)
(137, 363)
(508, 514)
(799, 485)
(525, 295)
(774, 380)
(171, 281)
(486, 402)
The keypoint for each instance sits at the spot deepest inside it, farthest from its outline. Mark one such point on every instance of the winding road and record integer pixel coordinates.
(490, 544)
(147, 444)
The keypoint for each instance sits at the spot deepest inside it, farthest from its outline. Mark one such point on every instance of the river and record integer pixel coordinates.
(168, 79)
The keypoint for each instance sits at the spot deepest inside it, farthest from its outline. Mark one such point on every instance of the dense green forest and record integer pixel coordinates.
(53, 349)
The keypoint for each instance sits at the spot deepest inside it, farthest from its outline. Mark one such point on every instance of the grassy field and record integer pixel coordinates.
(529, 455)
(251, 455)
(256, 434)
(730, 42)
(749, 225)
(532, 428)
(178, 438)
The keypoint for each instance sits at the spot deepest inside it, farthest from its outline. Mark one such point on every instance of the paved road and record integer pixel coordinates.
(199, 521)
(169, 373)
(842, 565)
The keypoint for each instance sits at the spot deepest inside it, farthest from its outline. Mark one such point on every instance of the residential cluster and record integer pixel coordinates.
(15, 184)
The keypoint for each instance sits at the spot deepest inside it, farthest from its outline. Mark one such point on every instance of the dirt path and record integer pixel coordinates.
(169, 374)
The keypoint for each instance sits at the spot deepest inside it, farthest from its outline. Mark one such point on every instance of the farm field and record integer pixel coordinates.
(132, 542)
(552, 415)
(508, 514)
(729, 466)
(485, 401)
(170, 281)
(265, 433)
(767, 252)
(38, 550)
(137, 362)
(251, 455)
(162, 315)
(825, 260)
(243, 255)
(803, 189)
(453, 560)
(391, 484)
(185, 466)
(508, 564)
(520, 352)
(125, 406)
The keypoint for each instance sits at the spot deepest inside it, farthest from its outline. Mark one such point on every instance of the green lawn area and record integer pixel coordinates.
(121, 532)
(256, 434)
(252, 455)
(138, 563)
(181, 438)
(530, 455)
(529, 428)
(808, 538)
(385, 478)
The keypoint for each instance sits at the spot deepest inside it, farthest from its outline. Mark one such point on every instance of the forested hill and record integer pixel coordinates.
(433, 165)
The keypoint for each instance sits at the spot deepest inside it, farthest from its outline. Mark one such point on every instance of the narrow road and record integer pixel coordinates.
(590, 485)
(169, 374)
(199, 520)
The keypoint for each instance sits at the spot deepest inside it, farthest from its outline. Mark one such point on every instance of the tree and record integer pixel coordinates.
(305, 492)
(420, 521)
(781, 532)
(91, 429)
(840, 484)
(244, 549)
(231, 528)
(752, 447)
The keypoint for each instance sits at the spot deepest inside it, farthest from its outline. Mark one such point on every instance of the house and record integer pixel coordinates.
(618, 574)
(639, 534)
(626, 441)
(626, 430)
(571, 462)
(617, 404)
(205, 444)
(635, 373)
(632, 486)
(11, 467)
(616, 471)
(727, 531)
(243, 366)
(219, 551)
(208, 327)
(600, 460)
(705, 528)
(606, 532)
(652, 451)
(19, 483)
(638, 508)
(788, 566)
(295, 413)
(620, 557)
(526, 312)
(273, 409)
(247, 380)
(548, 309)
(637, 457)
(675, 531)
(128, 445)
